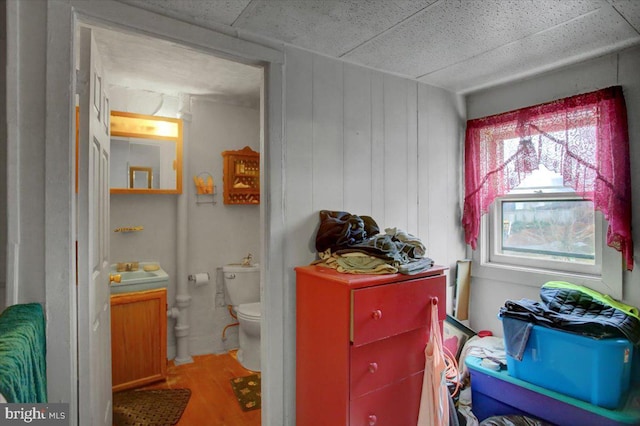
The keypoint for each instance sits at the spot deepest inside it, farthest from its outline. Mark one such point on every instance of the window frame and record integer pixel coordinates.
(495, 237)
(607, 281)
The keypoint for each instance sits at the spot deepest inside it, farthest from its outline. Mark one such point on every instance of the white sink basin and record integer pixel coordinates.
(139, 280)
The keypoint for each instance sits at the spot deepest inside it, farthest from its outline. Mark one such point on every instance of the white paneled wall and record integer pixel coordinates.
(357, 134)
(371, 144)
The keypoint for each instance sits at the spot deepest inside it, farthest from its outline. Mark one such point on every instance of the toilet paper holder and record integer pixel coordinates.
(199, 278)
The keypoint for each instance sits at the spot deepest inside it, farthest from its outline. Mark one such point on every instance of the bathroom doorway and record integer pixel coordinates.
(207, 220)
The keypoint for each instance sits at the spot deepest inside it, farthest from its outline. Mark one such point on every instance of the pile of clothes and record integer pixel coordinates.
(353, 244)
(572, 308)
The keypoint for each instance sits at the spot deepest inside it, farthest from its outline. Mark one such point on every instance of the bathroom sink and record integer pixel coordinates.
(139, 280)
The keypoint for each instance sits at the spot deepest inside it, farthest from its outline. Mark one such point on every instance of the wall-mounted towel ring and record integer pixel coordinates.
(129, 229)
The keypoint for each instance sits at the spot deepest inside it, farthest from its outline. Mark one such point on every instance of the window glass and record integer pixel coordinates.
(560, 230)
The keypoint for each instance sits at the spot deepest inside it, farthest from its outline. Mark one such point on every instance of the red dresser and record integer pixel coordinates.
(360, 345)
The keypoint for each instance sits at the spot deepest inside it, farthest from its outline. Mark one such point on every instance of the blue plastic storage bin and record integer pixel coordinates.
(495, 393)
(594, 370)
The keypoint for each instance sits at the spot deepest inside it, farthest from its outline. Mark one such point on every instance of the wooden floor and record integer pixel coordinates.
(212, 401)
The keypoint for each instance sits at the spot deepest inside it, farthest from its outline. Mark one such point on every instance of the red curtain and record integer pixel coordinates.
(584, 138)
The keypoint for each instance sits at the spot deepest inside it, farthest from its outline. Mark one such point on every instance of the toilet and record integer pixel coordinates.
(243, 289)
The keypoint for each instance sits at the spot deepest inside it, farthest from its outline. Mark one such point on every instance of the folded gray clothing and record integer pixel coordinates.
(386, 247)
(419, 249)
(415, 266)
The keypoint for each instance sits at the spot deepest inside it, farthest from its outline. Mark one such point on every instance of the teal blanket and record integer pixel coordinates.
(23, 370)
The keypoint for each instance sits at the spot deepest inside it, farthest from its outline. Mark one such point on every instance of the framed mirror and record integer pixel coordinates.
(146, 154)
(140, 177)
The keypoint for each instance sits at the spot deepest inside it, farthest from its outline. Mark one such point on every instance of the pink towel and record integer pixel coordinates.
(434, 401)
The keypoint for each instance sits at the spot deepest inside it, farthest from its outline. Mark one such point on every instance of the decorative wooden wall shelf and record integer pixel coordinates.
(241, 178)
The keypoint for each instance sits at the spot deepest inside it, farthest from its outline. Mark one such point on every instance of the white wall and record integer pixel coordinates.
(217, 233)
(3, 150)
(616, 69)
(25, 164)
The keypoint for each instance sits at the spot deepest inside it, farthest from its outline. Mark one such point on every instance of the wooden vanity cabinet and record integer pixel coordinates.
(360, 343)
(138, 338)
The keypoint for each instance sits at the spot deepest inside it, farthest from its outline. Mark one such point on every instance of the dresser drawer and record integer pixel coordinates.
(386, 361)
(387, 310)
(395, 405)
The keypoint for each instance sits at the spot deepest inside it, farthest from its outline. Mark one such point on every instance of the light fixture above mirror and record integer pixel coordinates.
(146, 154)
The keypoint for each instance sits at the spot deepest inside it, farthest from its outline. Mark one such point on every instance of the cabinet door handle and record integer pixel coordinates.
(373, 367)
(377, 314)
(372, 419)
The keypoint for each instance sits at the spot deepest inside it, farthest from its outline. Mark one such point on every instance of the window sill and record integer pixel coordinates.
(537, 277)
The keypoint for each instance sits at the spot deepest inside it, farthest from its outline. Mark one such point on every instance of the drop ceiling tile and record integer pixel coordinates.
(630, 9)
(164, 67)
(594, 34)
(331, 27)
(452, 31)
(199, 11)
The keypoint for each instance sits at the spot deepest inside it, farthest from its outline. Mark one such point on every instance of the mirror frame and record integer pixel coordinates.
(131, 125)
(132, 175)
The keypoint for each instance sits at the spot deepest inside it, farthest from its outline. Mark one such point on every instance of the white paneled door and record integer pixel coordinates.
(94, 320)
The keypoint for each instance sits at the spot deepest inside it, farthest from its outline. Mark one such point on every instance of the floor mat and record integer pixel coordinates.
(161, 407)
(247, 391)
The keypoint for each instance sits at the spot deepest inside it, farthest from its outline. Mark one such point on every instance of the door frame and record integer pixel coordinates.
(63, 17)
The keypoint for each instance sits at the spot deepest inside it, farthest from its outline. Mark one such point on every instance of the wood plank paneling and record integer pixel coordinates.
(299, 218)
(299, 165)
(412, 158)
(370, 143)
(423, 171)
(395, 152)
(328, 153)
(437, 145)
(357, 140)
(377, 148)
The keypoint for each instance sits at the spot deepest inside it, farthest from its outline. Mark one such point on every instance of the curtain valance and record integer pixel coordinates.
(583, 138)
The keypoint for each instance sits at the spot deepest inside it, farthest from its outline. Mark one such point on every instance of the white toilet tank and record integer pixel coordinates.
(242, 283)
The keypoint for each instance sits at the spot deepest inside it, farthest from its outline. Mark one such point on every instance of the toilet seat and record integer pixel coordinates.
(249, 311)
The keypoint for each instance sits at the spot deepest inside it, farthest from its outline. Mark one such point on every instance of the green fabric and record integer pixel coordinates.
(23, 371)
(603, 298)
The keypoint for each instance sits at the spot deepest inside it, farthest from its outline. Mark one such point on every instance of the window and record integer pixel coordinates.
(543, 224)
(561, 230)
(540, 180)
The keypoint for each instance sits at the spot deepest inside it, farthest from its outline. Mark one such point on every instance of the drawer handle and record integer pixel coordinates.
(372, 419)
(373, 367)
(377, 314)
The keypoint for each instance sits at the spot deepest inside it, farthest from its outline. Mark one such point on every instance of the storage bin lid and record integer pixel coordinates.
(628, 415)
